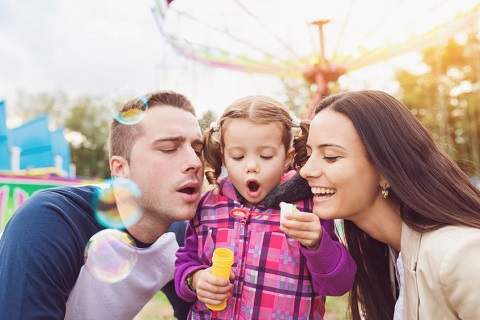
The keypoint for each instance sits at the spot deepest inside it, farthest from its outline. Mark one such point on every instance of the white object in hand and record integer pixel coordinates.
(285, 207)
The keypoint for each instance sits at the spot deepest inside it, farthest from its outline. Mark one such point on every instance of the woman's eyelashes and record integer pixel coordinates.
(330, 159)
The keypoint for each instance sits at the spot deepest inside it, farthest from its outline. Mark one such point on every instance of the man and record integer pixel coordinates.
(42, 267)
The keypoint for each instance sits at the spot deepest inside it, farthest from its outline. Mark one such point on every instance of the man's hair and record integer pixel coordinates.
(123, 136)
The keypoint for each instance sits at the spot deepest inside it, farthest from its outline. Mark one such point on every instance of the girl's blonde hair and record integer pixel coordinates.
(257, 109)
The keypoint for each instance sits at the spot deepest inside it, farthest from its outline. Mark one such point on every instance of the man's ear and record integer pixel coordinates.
(119, 167)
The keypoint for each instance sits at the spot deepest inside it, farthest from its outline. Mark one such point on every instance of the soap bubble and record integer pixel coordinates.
(110, 255)
(120, 98)
(117, 204)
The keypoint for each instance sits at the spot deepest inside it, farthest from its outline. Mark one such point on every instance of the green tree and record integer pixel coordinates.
(91, 118)
(207, 118)
(297, 94)
(447, 97)
(29, 106)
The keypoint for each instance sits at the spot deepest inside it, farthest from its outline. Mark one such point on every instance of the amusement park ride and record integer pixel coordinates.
(315, 68)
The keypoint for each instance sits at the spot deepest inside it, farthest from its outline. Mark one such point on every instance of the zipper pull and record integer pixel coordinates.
(239, 213)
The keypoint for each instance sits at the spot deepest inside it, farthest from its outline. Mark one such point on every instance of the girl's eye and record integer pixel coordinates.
(266, 157)
(168, 150)
(237, 158)
(330, 159)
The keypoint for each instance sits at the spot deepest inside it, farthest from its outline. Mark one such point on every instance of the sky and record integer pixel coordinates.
(96, 47)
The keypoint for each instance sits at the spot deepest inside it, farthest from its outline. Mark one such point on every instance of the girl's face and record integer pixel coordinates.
(344, 182)
(255, 158)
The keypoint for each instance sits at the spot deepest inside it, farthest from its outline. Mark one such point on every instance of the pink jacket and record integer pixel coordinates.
(275, 276)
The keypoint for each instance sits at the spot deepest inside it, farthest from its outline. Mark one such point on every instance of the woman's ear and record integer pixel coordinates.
(119, 167)
(383, 182)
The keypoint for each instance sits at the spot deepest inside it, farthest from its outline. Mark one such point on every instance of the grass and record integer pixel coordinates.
(160, 309)
(336, 308)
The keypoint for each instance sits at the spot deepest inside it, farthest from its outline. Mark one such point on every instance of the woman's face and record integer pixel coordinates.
(344, 182)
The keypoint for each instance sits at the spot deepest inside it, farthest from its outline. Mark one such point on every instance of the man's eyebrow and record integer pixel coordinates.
(178, 139)
(167, 139)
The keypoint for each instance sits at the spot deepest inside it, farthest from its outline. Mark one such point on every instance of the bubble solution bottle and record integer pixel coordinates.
(222, 264)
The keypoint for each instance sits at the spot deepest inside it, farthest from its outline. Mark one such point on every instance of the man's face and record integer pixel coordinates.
(166, 164)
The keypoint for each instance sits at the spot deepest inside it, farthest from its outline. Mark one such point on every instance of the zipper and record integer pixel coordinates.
(244, 215)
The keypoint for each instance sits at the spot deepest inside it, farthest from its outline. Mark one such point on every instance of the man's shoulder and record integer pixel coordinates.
(80, 191)
(70, 204)
(63, 197)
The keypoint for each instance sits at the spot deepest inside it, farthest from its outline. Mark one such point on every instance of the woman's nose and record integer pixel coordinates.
(307, 169)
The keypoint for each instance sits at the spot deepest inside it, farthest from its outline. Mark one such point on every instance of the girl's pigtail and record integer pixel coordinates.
(212, 156)
(300, 145)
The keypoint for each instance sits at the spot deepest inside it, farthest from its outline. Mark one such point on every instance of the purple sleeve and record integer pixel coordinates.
(331, 266)
(187, 262)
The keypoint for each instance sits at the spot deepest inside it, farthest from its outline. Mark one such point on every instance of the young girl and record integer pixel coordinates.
(282, 268)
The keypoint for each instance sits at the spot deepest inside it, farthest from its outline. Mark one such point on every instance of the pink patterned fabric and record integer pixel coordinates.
(275, 277)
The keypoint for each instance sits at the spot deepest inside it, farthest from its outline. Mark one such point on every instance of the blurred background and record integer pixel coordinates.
(66, 59)
(63, 62)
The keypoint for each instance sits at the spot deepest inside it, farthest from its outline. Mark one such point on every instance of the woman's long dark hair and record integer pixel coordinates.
(431, 188)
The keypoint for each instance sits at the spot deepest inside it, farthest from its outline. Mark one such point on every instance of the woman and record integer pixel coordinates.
(371, 163)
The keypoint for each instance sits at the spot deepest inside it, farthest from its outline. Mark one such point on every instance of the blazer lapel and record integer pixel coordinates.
(410, 245)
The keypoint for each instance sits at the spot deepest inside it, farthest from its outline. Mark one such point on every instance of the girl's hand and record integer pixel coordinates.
(304, 227)
(211, 289)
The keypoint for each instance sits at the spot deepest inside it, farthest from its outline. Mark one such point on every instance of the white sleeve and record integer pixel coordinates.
(92, 298)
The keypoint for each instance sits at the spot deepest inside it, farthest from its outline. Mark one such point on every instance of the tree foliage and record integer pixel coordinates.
(29, 106)
(207, 118)
(90, 117)
(297, 93)
(446, 99)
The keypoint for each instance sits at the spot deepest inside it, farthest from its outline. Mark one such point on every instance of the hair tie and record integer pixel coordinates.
(214, 126)
(295, 121)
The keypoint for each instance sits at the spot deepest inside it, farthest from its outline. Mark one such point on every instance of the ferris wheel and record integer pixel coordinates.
(315, 40)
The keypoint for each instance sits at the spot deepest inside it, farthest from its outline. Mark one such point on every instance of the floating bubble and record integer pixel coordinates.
(129, 116)
(110, 255)
(117, 205)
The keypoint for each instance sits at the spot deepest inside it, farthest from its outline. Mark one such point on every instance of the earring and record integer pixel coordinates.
(385, 191)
